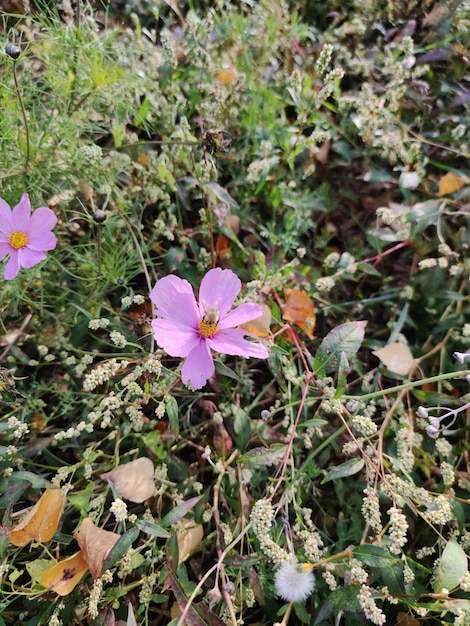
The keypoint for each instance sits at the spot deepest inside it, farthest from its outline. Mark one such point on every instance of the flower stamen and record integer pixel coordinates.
(207, 327)
(18, 240)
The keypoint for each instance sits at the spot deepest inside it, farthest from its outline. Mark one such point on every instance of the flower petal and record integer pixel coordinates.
(6, 224)
(41, 241)
(27, 257)
(219, 288)
(199, 366)
(42, 220)
(175, 338)
(174, 299)
(231, 341)
(12, 267)
(240, 315)
(20, 214)
(5, 249)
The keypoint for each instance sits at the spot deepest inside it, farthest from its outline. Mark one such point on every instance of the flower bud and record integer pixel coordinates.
(13, 52)
(99, 216)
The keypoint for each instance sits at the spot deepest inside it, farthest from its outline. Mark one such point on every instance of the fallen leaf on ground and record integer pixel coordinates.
(450, 182)
(396, 357)
(189, 539)
(42, 520)
(95, 544)
(65, 575)
(134, 480)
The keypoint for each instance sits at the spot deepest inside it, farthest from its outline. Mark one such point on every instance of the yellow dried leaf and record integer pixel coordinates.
(189, 539)
(260, 325)
(134, 480)
(42, 520)
(226, 77)
(95, 544)
(450, 182)
(64, 576)
(396, 357)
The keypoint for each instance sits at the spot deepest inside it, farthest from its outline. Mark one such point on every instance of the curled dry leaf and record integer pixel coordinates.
(64, 576)
(396, 357)
(300, 310)
(42, 520)
(134, 480)
(189, 539)
(95, 544)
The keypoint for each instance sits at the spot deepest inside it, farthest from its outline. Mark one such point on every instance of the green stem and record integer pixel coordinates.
(25, 120)
(409, 385)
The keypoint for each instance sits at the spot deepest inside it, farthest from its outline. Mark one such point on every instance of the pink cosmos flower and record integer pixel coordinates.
(190, 329)
(23, 236)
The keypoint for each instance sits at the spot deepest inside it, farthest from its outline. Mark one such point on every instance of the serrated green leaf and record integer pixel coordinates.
(348, 468)
(451, 567)
(344, 339)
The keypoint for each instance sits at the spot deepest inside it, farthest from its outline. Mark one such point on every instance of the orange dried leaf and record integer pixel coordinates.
(450, 182)
(64, 576)
(396, 357)
(142, 159)
(42, 520)
(223, 247)
(260, 325)
(95, 544)
(300, 310)
(134, 480)
(225, 77)
(189, 539)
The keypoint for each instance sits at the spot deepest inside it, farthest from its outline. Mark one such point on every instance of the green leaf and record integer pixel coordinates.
(179, 511)
(37, 567)
(264, 456)
(81, 499)
(223, 195)
(375, 556)
(241, 426)
(348, 468)
(344, 339)
(37, 482)
(301, 612)
(343, 370)
(152, 529)
(121, 546)
(386, 565)
(173, 414)
(451, 567)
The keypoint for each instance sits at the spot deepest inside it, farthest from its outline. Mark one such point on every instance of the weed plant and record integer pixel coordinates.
(321, 156)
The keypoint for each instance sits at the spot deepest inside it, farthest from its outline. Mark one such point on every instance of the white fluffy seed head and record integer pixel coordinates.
(294, 582)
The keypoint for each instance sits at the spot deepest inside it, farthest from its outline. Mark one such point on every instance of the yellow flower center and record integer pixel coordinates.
(208, 326)
(18, 240)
